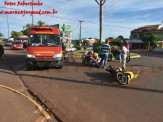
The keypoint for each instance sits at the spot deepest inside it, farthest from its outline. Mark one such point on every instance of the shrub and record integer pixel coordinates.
(86, 42)
(97, 47)
(114, 47)
(152, 38)
(77, 46)
(85, 47)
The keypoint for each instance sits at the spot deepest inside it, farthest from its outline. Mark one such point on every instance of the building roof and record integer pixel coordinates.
(151, 26)
(135, 41)
(149, 29)
(22, 37)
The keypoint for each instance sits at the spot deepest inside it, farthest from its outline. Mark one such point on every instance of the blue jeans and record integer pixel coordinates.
(94, 62)
(105, 59)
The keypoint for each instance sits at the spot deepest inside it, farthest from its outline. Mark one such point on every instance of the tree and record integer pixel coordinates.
(110, 38)
(120, 37)
(150, 39)
(27, 29)
(1, 35)
(40, 23)
(86, 42)
(15, 34)
(28, 26)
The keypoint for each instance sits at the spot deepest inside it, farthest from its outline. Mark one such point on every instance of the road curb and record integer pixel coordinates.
(45, 114)
(138, 56)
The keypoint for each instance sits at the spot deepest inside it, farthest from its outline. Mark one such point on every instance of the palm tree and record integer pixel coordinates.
(26, 29)
(40, 23)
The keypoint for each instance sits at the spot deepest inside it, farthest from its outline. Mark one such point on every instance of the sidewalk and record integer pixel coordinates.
(14, 107)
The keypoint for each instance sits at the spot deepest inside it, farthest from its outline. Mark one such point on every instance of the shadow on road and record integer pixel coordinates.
(107, 84)
(100, 77)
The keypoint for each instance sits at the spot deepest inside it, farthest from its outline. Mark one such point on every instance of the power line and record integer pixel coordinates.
(67, 1)
(110, 25)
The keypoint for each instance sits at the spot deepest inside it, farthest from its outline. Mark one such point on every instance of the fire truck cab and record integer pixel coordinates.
(44, 48)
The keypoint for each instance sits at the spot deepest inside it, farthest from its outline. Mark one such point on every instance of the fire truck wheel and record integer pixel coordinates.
(29, 67)
(60, 67)
(122, 78)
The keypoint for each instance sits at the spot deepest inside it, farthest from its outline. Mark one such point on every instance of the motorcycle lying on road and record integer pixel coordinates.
(123, 78)
(116, 54)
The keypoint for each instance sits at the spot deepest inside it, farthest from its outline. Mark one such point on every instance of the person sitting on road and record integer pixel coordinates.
(94, 59)
(87, 57)
(84, 61)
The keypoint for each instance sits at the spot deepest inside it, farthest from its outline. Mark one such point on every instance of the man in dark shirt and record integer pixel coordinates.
(104, 52)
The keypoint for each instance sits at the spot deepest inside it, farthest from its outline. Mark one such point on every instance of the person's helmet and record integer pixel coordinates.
(94, 54)
(68, 39)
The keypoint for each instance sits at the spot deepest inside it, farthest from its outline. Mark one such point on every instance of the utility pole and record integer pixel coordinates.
(8, 26)
(80, 32)
(101, 3)
(32, 16)
(63, 33)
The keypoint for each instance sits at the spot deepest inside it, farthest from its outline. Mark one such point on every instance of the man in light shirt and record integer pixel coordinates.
(124, 55)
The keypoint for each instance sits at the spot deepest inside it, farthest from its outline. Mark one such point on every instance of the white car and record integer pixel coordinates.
(8, 43)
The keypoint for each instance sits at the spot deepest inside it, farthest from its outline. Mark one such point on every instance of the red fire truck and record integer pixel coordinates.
(44, 48)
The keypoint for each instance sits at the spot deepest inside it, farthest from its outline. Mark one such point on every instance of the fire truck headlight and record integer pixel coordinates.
(57, 56)
(30, 56)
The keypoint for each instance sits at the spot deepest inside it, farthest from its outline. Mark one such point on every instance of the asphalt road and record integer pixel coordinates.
(78, 93)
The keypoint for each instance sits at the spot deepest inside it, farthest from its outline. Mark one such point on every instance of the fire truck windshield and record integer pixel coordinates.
(48, 40)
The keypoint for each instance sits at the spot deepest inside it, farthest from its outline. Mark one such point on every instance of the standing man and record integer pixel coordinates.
(104, 52)
(124, 55)
(128, 46)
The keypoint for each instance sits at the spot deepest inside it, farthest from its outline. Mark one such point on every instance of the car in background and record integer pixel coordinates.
(17, 45)
(8, 43)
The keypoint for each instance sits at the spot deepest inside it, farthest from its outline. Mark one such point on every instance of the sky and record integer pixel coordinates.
(119, 16)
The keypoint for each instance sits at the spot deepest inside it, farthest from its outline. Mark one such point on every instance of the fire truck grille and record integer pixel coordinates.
(44, 57)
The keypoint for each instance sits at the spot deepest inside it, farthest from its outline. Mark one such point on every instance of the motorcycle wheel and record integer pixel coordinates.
(122, 78)
(127, 58)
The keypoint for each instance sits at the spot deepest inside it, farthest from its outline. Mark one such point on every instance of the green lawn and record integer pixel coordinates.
(80, 52)
(133, 54)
